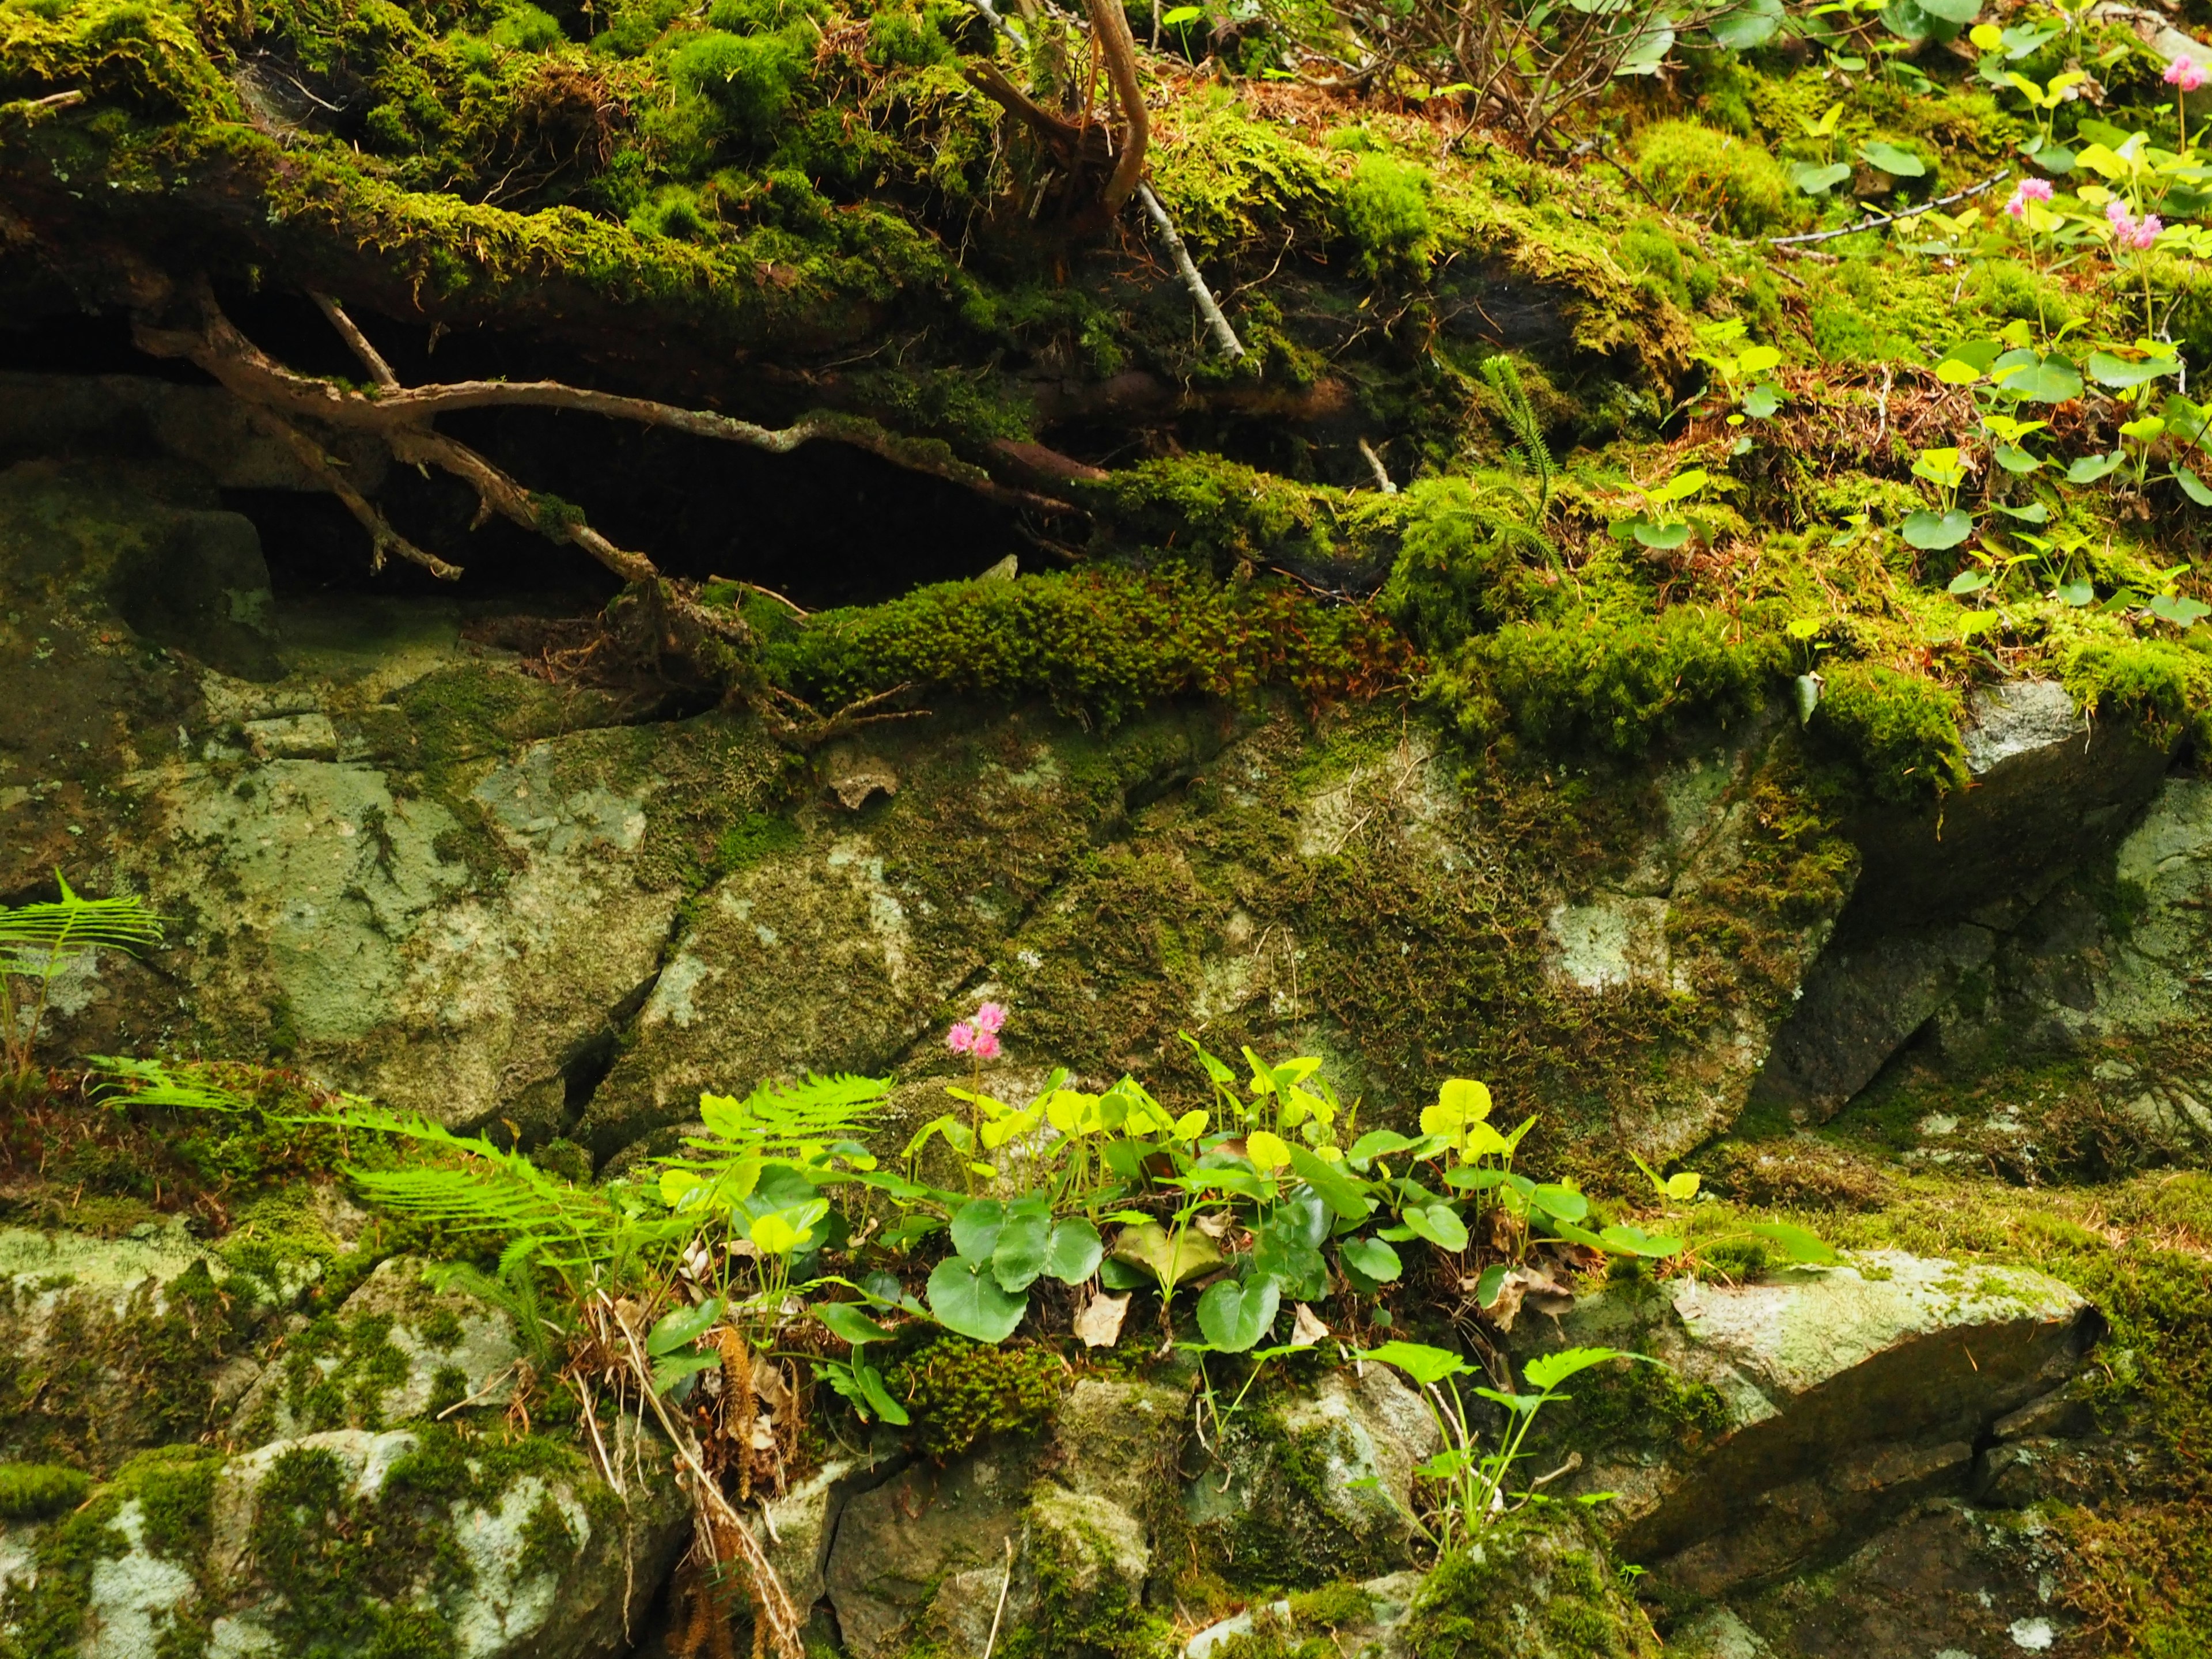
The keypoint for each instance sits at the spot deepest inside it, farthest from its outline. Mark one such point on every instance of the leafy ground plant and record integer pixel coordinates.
(1469, 1486)
(40, 943)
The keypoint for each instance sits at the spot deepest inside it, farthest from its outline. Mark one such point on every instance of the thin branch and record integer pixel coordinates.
(1374, 465)
(1110, 27)
(382, 537)
(772, 1600)
(1225, 336)
(371, 358)
(1877, 220)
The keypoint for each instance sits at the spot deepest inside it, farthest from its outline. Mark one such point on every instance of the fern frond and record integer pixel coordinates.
(37, 941)
(797, 1121)
(1529, 450)
(155, 1083)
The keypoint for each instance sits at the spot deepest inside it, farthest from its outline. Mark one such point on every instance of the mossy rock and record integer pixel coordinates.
(1539, 1584)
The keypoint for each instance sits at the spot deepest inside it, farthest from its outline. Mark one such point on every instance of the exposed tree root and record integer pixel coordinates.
(401, 417)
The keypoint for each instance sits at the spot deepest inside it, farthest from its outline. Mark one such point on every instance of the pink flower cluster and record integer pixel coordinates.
(2185, 73)
(2127, 230)
(2030, 190)
(978, 1035)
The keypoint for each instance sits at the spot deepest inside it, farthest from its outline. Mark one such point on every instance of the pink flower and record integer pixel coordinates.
(2127, 230)
(2030, 190)
(2185, 73)
(961, 1039)
(990, 1017)
(987, 1046)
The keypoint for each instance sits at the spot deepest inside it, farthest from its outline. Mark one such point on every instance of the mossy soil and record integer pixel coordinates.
(786, 187)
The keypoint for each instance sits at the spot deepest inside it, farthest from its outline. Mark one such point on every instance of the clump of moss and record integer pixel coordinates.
(1461, 543)
(1614, 683)
(2165, 685)
(1716, 175)
(1384, 211)
(1536, 1586)
(1902, 730)
(1102, 643)
(31, 1492)
(752, 79)
(960, 1392)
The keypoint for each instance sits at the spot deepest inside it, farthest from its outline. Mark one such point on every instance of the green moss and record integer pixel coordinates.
(550, 1544)
(1285, 1523)
(751, 79)
(1901, 730)
(1104, 644)
(379, 1575)
(1383, 210)
(61, 1401)
(1614, 684)
(30, 1492)
(174, 1490)
(1716, 175)
(1085, 1611)
(1537, 1585)
(959, 1392)
(2167, 686)
(1465, 550)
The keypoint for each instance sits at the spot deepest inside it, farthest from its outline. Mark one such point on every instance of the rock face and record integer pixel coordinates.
(1537, 1585)
(425, 1537)
(1286, 1510)
(85, 1323)
(1830, 1399)
(396, 1350)
(1054, 1524)
(1993, 902)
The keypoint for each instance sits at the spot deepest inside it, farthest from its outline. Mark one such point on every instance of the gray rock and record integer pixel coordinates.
(866, 925)
(396, 1351)
(2050, 789)
(1944, 1579)
(550, 1566)
(1291, 1505)
(324, 886)
(1537, 1584)
(1839, 1396)
(1860, 1004)
(796, 1530)
(927, 1555)
(109, 1347)
(1389, 1599)
(908, 1544)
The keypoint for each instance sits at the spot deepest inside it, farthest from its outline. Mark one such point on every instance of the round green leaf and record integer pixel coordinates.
(1898, 163)
(1439, 1223)
(975, 1227)
(1664, 536)
(1930, 531)
(1372, 1257)
(1019, 1256)
(966, 1298)
(1817, 178)
(2108, 370)
(1235, 1316)
(1072, 1253)
(1750, 24)
(2191, 485)
(2052, 381)
(2087, 469)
